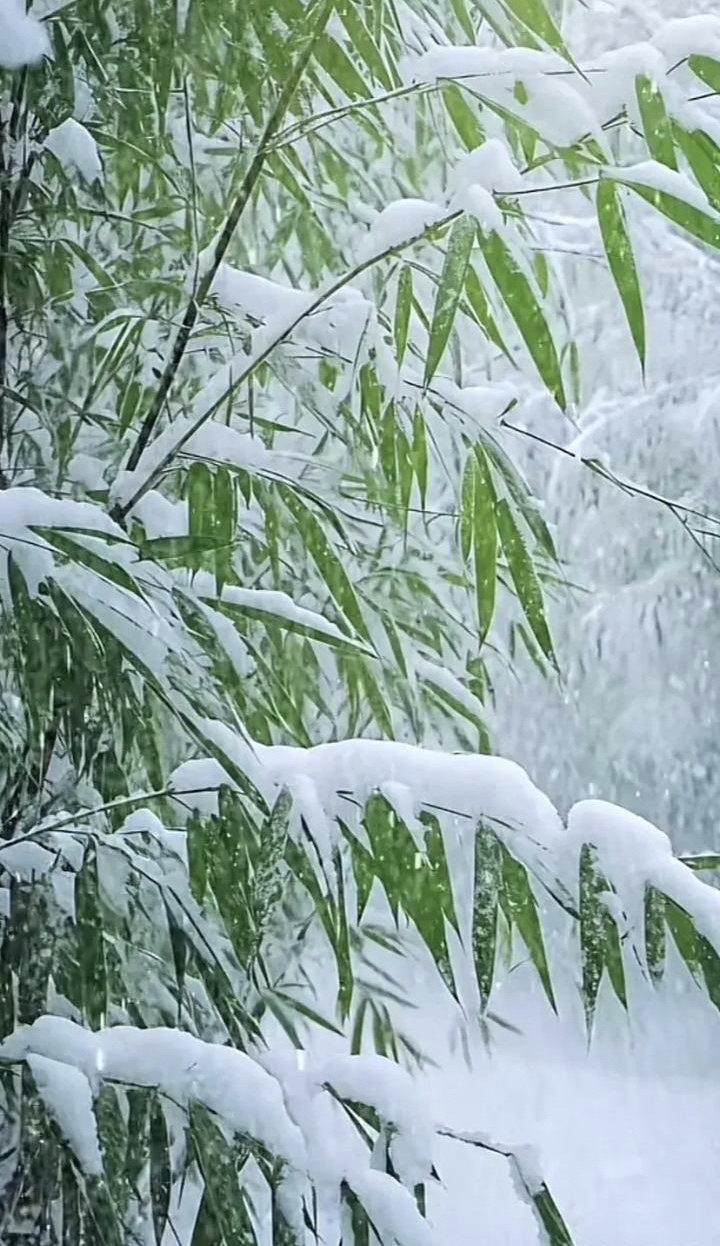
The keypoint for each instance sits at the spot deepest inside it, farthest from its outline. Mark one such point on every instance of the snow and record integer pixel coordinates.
(478, 63)
(66, 1093)
(399, 222)
(278, 605)
(682, 36)
(392, 1209)
(76, 150)
(478, 202)
(212, 441)
(657, 176)
(480, 786)
(633, 852)
(630, 1157)
(490, 165)
(22, 39)
(229, 1082)
(30, 507)
(382, 1084)
(612, 88)
(442, 678)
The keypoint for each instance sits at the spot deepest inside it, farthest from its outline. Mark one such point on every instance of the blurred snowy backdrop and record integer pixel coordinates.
(637, 718)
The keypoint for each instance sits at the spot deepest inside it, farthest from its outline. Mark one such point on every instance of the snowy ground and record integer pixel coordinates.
(632, 1160)
(628, 1136)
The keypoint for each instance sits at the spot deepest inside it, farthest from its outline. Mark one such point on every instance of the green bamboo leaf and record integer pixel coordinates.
(524, 577)
(462, 13)
(92, 558)
(224, 1216)
(160, 1173)
(523, 306)
(486, 901)
(420, 455)
(655, 121)
(703, 155)
(333, 58)
(199, 493)
(364, 45)
(521, 910)
(403, 309)
(197, 857)
(406, 474)
(548, 1213)
(263, 612)
(346, 976)
(327, 562)
(89, 922)
(534, 15)
(601, 948)
(480, 310)
(618, 248)
(700, 860)
(224, 521)
(188, 549)
(467, 507)
(707, 69)
(463, 116)
(449, 290)
(699, 223)
(592, 951)
(655, 933)
(698, 953)
(485, 541)
(519, 491)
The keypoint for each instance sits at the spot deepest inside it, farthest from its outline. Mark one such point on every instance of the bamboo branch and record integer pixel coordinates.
(250, 365)
(202, 290)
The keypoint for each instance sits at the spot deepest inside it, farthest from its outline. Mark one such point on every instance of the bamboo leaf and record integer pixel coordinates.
(703, 155)
(160, 1174)
(523, 306)
(420, 455)
(655, 933)
(467, 507)
(327, 562)
(700, 224)
(403, 309)
(521, 910)
(449, 290)
(524, 577)
(480, 309)
(535, 15)
(707, 69)
(618, 248)
(486, 899)
(655, 121)
(485, 541)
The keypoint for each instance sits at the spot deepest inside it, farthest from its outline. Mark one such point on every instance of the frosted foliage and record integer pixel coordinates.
(637, 717)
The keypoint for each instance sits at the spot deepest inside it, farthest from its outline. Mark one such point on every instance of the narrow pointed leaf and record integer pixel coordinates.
(485, 542)
(403, 309)
(619, 252)
(522, 304)
(679, 208)
(655, 121)
(524, 577)
(452, 280)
